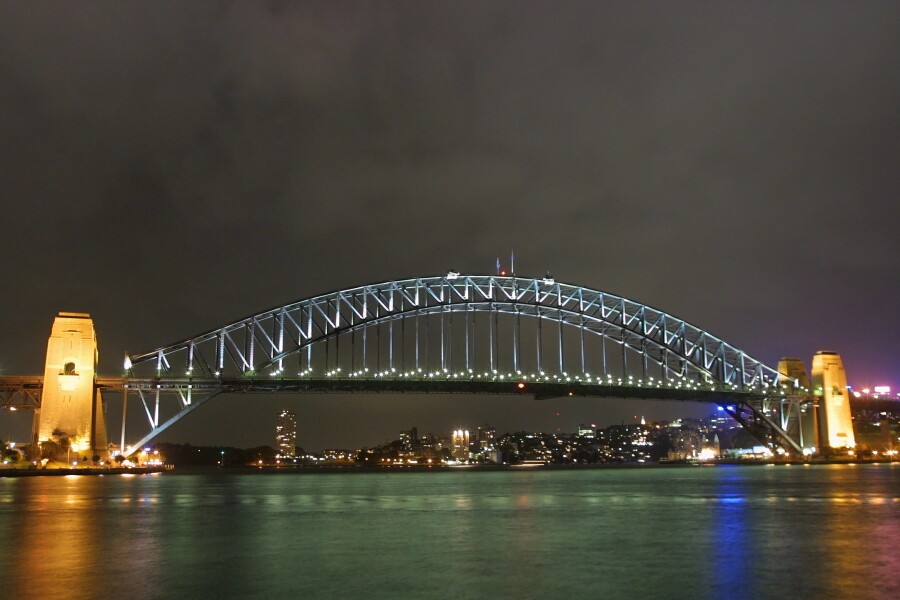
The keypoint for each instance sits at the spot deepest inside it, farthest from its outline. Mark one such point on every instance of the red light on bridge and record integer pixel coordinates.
(521, 385)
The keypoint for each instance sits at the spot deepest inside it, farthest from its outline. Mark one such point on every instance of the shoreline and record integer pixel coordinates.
(62, 472)
(355, 469)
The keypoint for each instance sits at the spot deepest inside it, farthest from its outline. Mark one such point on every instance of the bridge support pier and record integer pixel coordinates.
(830, 386)
(71, 409)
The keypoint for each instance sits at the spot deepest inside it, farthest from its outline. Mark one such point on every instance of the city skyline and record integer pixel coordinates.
(874, 424)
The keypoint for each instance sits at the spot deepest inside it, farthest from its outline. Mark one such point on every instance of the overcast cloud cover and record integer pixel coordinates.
(169, 167)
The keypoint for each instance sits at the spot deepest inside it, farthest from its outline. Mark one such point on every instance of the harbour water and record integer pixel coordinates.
(829, 531)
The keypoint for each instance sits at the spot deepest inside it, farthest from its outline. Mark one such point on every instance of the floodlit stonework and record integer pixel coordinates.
(71, 406)
(830, 385)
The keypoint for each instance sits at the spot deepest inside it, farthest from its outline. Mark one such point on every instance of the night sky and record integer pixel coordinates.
(170, 167)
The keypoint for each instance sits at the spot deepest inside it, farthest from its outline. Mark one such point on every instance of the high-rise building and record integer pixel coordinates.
(459, 441)
(409, 439)
(286, 434)
(486, 437)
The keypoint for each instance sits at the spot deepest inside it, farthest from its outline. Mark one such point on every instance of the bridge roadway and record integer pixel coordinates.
(24, 391)
(746, 407)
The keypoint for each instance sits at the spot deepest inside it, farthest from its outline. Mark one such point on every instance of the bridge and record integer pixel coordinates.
(455, 333)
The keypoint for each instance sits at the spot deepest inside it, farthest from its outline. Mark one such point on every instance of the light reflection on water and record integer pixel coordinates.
(725, 532)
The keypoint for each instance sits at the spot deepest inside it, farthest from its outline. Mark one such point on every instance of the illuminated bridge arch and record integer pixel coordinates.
(263, 344)
(462, 333)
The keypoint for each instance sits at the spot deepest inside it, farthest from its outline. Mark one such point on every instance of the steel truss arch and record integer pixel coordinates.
(594, 326)
(263, 341)
(253, 353)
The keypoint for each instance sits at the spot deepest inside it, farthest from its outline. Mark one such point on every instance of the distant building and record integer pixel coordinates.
(459, 448)
(587, 431)
(712, 449)
(486, 437)
(409, 439)
(286, 434)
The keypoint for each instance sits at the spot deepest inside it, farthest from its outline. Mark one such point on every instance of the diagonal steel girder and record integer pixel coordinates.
(300, 324)
(761, 426)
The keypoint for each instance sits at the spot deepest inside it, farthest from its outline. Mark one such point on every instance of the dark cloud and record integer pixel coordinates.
(172, 167)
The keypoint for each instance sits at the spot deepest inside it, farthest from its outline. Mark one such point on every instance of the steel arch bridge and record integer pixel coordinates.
(467, 334)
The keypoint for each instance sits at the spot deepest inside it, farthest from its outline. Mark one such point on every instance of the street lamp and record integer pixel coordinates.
(72, 447)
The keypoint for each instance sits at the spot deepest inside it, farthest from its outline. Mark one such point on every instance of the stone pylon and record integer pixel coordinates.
(806, 417)
(829, 385)
(71, 406)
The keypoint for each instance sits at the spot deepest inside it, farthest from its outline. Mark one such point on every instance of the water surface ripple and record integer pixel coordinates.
(725, 532)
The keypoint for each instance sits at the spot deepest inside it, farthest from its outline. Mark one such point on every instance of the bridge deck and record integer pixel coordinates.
(537, 389)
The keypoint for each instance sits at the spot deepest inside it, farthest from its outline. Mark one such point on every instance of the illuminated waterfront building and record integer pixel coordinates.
(459, 444)
(711, 449)
(286, 435)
